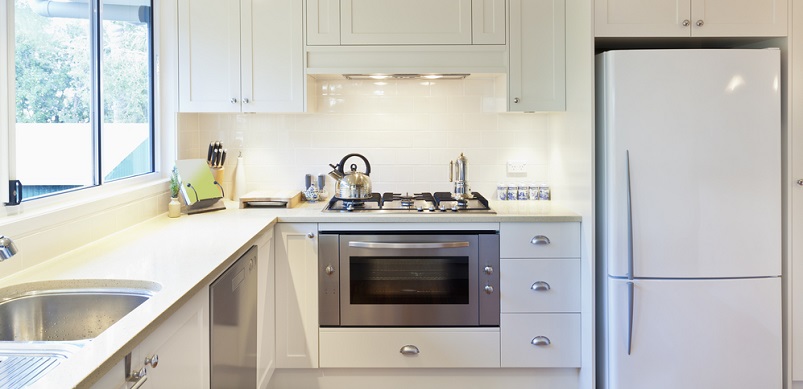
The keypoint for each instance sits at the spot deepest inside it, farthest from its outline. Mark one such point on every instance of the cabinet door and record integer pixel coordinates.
(630, 18)
(405, 22)
(272, 56)
(537, 78)
(738, 17)
(296, 295)
(488, 22)
(323, 22)
(266, 311)
(182, 346)
(209, 55)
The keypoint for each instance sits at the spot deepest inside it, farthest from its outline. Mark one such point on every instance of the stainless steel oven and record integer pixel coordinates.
(404, 279)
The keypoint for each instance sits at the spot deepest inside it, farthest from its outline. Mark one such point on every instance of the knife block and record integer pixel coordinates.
(218, 173)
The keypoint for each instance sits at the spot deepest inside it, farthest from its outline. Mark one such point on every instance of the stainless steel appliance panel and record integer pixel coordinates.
(328, 280)
(233, 339)
(489, 280)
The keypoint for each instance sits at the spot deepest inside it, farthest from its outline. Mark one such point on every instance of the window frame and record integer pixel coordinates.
(163, 130)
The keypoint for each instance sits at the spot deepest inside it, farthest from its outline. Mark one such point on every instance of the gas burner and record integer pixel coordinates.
(440, 202)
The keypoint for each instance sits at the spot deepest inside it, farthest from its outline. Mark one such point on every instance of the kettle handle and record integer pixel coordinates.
(343, 163)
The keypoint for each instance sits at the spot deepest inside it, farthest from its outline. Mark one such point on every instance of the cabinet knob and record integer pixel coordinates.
(153, 361)
(488, 270)
(685, 23)
(540, 286)
(540, 341)
(516, 100)
(246, 101)
(409, 350)
(800, 182)
(233, 100)
(539, 240)
(699, 23)
(310, 235)
(489, 289)
(138, 378)
(329, 270)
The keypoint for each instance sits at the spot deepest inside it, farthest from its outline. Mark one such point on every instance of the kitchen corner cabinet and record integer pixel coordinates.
(266, 310)
(240, 56)
(405, 22)
(179, 348)
(539, 278)
(296, 295)
(690, 18)
(537, 75)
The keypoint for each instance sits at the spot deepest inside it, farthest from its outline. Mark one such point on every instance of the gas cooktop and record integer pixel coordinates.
(428, 203)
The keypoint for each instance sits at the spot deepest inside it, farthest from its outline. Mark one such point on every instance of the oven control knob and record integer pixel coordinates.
(350, 207)
(488, 270)
(432, 208)
(454, 208)
(420, 209)
(329, 270)
(489, 289)
(442, 208)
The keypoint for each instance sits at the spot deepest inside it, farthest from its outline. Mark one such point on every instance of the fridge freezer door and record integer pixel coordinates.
(702, 128)
(695, 334)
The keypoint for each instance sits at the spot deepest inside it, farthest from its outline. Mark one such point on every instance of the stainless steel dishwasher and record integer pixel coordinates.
(233, 345)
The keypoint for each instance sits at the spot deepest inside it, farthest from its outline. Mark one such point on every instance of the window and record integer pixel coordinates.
(83, 93)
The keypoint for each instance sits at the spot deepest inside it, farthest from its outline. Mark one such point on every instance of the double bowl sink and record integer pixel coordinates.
(41, 326)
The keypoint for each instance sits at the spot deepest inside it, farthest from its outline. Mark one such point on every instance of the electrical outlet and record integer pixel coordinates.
(516, 166)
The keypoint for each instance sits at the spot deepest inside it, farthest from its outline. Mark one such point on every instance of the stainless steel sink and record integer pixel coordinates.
(65, 314)
(40, 326)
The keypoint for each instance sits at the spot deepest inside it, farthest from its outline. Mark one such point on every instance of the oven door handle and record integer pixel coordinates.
(387, 245)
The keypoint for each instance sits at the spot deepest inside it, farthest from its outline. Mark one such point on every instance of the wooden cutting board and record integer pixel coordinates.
(270, 199)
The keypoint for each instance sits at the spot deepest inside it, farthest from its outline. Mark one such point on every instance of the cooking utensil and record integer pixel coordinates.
(352, 185)
(458, 173)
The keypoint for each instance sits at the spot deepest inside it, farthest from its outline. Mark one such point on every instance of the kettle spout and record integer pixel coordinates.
(335, 173)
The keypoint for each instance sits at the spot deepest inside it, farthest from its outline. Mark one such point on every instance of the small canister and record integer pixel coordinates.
(544, 193)
(501, 191)
(533, 189)
(523, 192)
(512, 191)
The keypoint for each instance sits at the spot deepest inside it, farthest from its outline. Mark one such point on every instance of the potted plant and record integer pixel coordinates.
(174, 208)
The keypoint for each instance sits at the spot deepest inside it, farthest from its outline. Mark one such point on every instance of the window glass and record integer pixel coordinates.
(83, 93)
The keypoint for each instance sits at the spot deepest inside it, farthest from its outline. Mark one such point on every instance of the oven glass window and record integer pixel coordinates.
(406, 280)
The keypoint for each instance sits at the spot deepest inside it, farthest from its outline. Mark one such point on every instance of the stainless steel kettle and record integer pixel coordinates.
(351, 185)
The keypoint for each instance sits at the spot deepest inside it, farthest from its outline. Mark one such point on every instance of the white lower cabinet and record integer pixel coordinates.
(409, 347)
(181, 346)
(177, 351)
(540, 340)
(296, 295)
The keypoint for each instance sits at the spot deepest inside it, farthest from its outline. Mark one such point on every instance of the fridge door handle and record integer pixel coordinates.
(630, 299)
(629, 222)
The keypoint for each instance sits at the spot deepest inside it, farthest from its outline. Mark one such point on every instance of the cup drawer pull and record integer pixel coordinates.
(540, 341)
(540, 286)
(540, 240)
(409, 350)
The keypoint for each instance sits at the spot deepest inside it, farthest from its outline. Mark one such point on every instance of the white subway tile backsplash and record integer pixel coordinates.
(408, 129)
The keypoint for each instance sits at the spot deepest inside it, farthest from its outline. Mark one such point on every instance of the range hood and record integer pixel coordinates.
(399, 76)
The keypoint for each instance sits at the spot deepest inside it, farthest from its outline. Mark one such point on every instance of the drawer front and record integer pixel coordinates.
(360, 347)
(539, 285)
(557, 338)
(540, 240)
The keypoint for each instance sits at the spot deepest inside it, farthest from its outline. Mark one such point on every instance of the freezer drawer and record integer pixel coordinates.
(695, 334)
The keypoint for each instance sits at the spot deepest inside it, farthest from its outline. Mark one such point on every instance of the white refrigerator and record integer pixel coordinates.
(689, 219)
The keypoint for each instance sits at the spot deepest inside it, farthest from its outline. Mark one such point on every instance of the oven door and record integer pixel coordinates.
(409, 280)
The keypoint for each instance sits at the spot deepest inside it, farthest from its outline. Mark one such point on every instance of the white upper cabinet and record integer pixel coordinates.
(696, 18)
(537, 77)
(405, 22)
(240, 56)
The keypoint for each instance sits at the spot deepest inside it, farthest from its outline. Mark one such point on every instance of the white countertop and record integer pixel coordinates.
(179, 256)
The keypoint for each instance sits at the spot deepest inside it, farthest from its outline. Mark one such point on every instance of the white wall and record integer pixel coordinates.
(409, 130)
